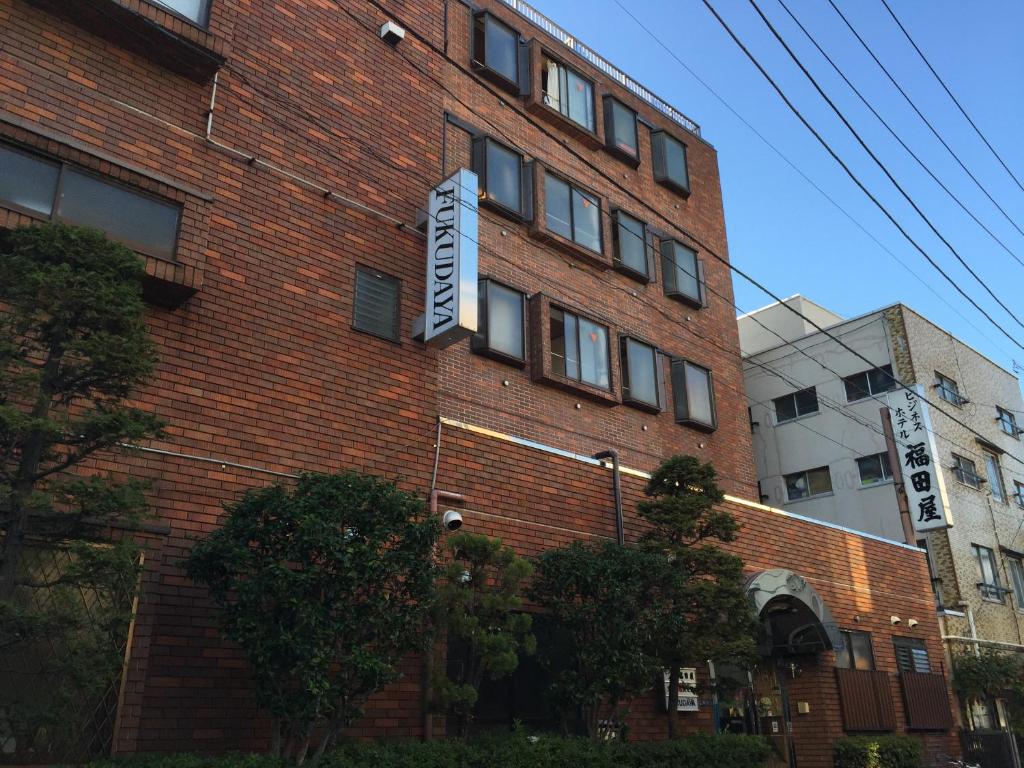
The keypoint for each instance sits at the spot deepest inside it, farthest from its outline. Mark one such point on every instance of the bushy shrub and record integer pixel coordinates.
(887, 751)
(519, 751)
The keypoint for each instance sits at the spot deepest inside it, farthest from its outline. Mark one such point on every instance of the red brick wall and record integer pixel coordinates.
(261, 372)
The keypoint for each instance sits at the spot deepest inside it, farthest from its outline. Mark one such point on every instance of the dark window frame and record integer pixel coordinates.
(202, 23)
(64, 167)
(659, 157)
(620, 266)
(556, 307)
(949, 390)
(688, 419)
(480, 341)
(884, 465)
(846, 659)
(796, 405)
(378, 274)
(807, 480)
(966, 475)
(1015, 572)
(545, 57)
(480, 167)
(669, 278)
(869, 393)
(480, 65)
(574, 188)
(910, 645)
(1018, 495)
(611, 134)
(659, 382)
(1006, 418)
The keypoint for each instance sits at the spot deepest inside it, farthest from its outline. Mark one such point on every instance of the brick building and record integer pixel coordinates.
(275, 159)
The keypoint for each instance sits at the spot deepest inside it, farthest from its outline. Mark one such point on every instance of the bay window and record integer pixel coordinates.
(501, 323)
(631, 246)
(693, 394)
(497, 52)
(620, 130)
(641, 374)
(683, 274)
(670, 166)
(579, 349)
(499, 170)
(572, 213)
(568, 92)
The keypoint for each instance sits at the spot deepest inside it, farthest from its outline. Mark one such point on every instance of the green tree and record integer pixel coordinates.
(73, 349)
(701, 609)
(598, 599)
(478, 611)
(325, 586)
(991, 674)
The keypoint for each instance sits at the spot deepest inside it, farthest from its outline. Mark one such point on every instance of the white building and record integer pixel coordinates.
(821, 452)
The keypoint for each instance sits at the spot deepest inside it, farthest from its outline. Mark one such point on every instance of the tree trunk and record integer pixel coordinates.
(673, 700)
(275, 738)
(25, 478)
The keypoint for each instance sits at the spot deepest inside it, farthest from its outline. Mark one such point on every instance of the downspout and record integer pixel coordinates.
(611, 453)
(428, 657)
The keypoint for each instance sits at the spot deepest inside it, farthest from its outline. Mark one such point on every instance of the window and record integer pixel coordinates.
(948, 389)
(197, 11)
(995, 478)
(1007, 422)
(932, 572)
(502, 324)
(620, 133)
(496, 51)
(60, 192)
(670, 162)
(857, 654)
(869, 383)
(796, 404)
(500, 173)
(874, 469)
(641, 373)
(683, 273)
(911, 655)
(579, 349)
(1016, 569)
(572, 213)
(376, 303)
(568, 92)
(631, 246)
(966, 471)
(693, 394)
(808, 484)
(988, 573)
(1018, 493)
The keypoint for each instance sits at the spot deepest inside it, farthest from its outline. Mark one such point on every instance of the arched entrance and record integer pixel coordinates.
(795, 623)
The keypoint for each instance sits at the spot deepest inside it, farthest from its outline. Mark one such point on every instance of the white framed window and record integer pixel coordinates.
(874, 469)
(808, 484)
(987, 573)
(995, 477)
(795, 405)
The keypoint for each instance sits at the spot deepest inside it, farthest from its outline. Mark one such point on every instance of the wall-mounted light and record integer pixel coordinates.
(895, 620)
(912, 623)
(391, 33)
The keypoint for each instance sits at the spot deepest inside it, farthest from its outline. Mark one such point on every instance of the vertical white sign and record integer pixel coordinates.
(452, 260)
(915, 444)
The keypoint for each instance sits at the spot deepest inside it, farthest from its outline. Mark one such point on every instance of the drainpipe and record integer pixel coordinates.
(612, 454)
(428, 658)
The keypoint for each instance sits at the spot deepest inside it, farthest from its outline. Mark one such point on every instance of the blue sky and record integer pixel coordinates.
(780, 228)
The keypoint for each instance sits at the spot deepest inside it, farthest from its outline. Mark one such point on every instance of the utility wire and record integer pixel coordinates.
(873, 156)
(956, 101)
(896, 136)
(792, 382)
(753, 129)
(926, 121)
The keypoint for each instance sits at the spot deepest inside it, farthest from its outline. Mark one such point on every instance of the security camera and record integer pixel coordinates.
(912, 623)
(452, 520)
(895, 619)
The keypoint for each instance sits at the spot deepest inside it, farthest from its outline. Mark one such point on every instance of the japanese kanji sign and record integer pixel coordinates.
(915, 444)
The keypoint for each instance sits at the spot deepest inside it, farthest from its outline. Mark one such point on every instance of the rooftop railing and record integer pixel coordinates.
(527, 11)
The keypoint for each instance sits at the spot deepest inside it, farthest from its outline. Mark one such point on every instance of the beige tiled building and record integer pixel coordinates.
(820, 450)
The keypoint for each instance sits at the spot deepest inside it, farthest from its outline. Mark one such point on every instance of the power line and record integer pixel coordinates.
(696, 240)
(805, 177)
(896, 136)
(950, 94)
(878, 162)
(925, 119)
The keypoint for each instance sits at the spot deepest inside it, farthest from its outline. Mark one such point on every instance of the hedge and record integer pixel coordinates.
(699, 751)
(890, 751)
